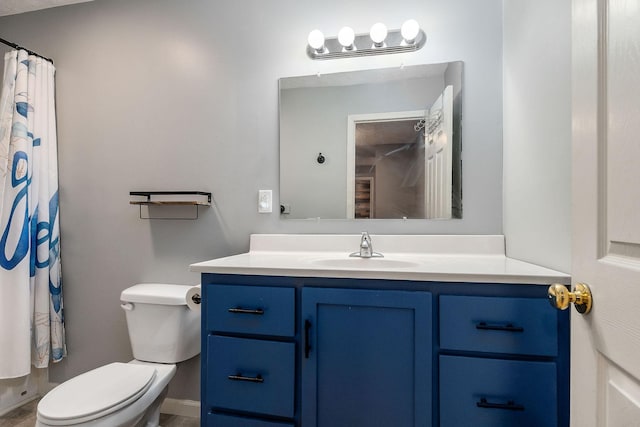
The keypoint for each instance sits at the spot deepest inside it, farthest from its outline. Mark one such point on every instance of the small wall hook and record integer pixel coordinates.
(320, 158)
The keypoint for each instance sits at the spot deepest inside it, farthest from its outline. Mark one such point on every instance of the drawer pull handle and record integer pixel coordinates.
(307, 338)
(241, 310)
(508, 327)
(240, 377)
(509, 406)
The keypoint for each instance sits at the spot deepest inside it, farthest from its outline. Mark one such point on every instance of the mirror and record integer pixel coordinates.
(381, 143)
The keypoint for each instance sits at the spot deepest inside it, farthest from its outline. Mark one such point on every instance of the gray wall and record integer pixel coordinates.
(167, 95)
(537, 132)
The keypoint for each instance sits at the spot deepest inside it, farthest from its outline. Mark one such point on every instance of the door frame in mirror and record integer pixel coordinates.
(352, 121)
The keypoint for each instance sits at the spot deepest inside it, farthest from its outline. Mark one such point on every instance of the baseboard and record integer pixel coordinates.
(183, 408)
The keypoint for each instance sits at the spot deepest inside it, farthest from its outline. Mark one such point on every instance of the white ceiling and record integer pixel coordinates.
(13, 7)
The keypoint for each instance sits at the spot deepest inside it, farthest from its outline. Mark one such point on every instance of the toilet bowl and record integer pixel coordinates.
(163, 331)
(114, 395)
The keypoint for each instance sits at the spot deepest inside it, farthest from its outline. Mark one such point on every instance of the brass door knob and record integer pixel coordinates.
(560, 297)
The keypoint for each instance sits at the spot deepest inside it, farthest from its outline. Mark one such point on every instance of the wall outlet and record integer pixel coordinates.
(265, 201)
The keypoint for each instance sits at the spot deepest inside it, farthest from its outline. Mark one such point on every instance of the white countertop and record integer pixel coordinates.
(446, 258)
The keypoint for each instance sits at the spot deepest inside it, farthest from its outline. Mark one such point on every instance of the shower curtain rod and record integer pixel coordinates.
(15, 46)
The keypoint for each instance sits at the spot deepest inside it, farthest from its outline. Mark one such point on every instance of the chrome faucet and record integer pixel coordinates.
(366, 248)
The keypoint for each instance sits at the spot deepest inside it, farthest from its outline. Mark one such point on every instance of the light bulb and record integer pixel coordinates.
(410, 30)
(346, 36)
(378, 33)
(316, 40)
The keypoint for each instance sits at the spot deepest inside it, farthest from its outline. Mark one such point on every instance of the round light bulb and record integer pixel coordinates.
(410, 30)
(346, 37)
(378, 33)
(316, 40)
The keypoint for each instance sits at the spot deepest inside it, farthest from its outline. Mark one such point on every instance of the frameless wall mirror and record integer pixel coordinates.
(382, 143)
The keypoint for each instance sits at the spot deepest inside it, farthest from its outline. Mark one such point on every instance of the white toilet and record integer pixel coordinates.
(163, 331)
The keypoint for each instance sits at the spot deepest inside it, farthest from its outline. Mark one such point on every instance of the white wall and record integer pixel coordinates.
(169, 95)
(537, 131)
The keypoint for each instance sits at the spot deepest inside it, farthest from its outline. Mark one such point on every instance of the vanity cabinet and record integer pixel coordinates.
(331, 352)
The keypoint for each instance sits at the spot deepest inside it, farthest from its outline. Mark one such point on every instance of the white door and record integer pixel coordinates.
(605, 344)
(438, 151)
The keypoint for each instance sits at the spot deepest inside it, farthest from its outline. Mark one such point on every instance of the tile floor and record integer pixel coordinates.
(25, 416)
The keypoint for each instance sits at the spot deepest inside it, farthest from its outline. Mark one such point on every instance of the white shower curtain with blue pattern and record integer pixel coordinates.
(31, 313)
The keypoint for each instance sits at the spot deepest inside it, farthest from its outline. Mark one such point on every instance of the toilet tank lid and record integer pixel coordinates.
(156, 293)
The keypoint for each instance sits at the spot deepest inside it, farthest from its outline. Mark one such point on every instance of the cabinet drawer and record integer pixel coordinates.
(220, 420)
(498, 325)
(497, 393)
(250, 310)
(250, 375)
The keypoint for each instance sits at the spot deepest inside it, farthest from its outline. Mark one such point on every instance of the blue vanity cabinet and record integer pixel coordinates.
(366, 358)
(340, 352)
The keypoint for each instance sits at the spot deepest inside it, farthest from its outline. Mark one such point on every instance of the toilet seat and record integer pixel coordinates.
(96, 393)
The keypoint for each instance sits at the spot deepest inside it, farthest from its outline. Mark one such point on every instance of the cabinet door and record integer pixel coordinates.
(366, 358)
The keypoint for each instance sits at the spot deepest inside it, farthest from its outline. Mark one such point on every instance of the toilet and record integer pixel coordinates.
(163, 331)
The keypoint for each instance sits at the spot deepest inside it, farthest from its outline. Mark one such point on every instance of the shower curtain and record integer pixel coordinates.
(31, 312)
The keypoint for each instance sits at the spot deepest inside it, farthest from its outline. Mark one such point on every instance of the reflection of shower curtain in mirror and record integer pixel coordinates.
(439, 156)
(31, 316)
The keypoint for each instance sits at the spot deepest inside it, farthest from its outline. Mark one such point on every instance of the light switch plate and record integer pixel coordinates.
(265, 201)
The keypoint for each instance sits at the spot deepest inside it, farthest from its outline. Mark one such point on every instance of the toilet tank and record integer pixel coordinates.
(162, 328)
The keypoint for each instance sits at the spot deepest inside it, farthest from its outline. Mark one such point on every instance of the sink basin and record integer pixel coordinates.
(364, 263)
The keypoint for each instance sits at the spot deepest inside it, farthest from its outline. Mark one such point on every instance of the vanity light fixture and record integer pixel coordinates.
(379, 41)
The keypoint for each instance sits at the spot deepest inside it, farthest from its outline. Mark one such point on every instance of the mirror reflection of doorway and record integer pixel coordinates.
(389, 169)
(400, 164)
(383, 161)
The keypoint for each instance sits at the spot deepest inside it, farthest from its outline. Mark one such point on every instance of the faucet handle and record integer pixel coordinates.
(366, 248)
(365, 239)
